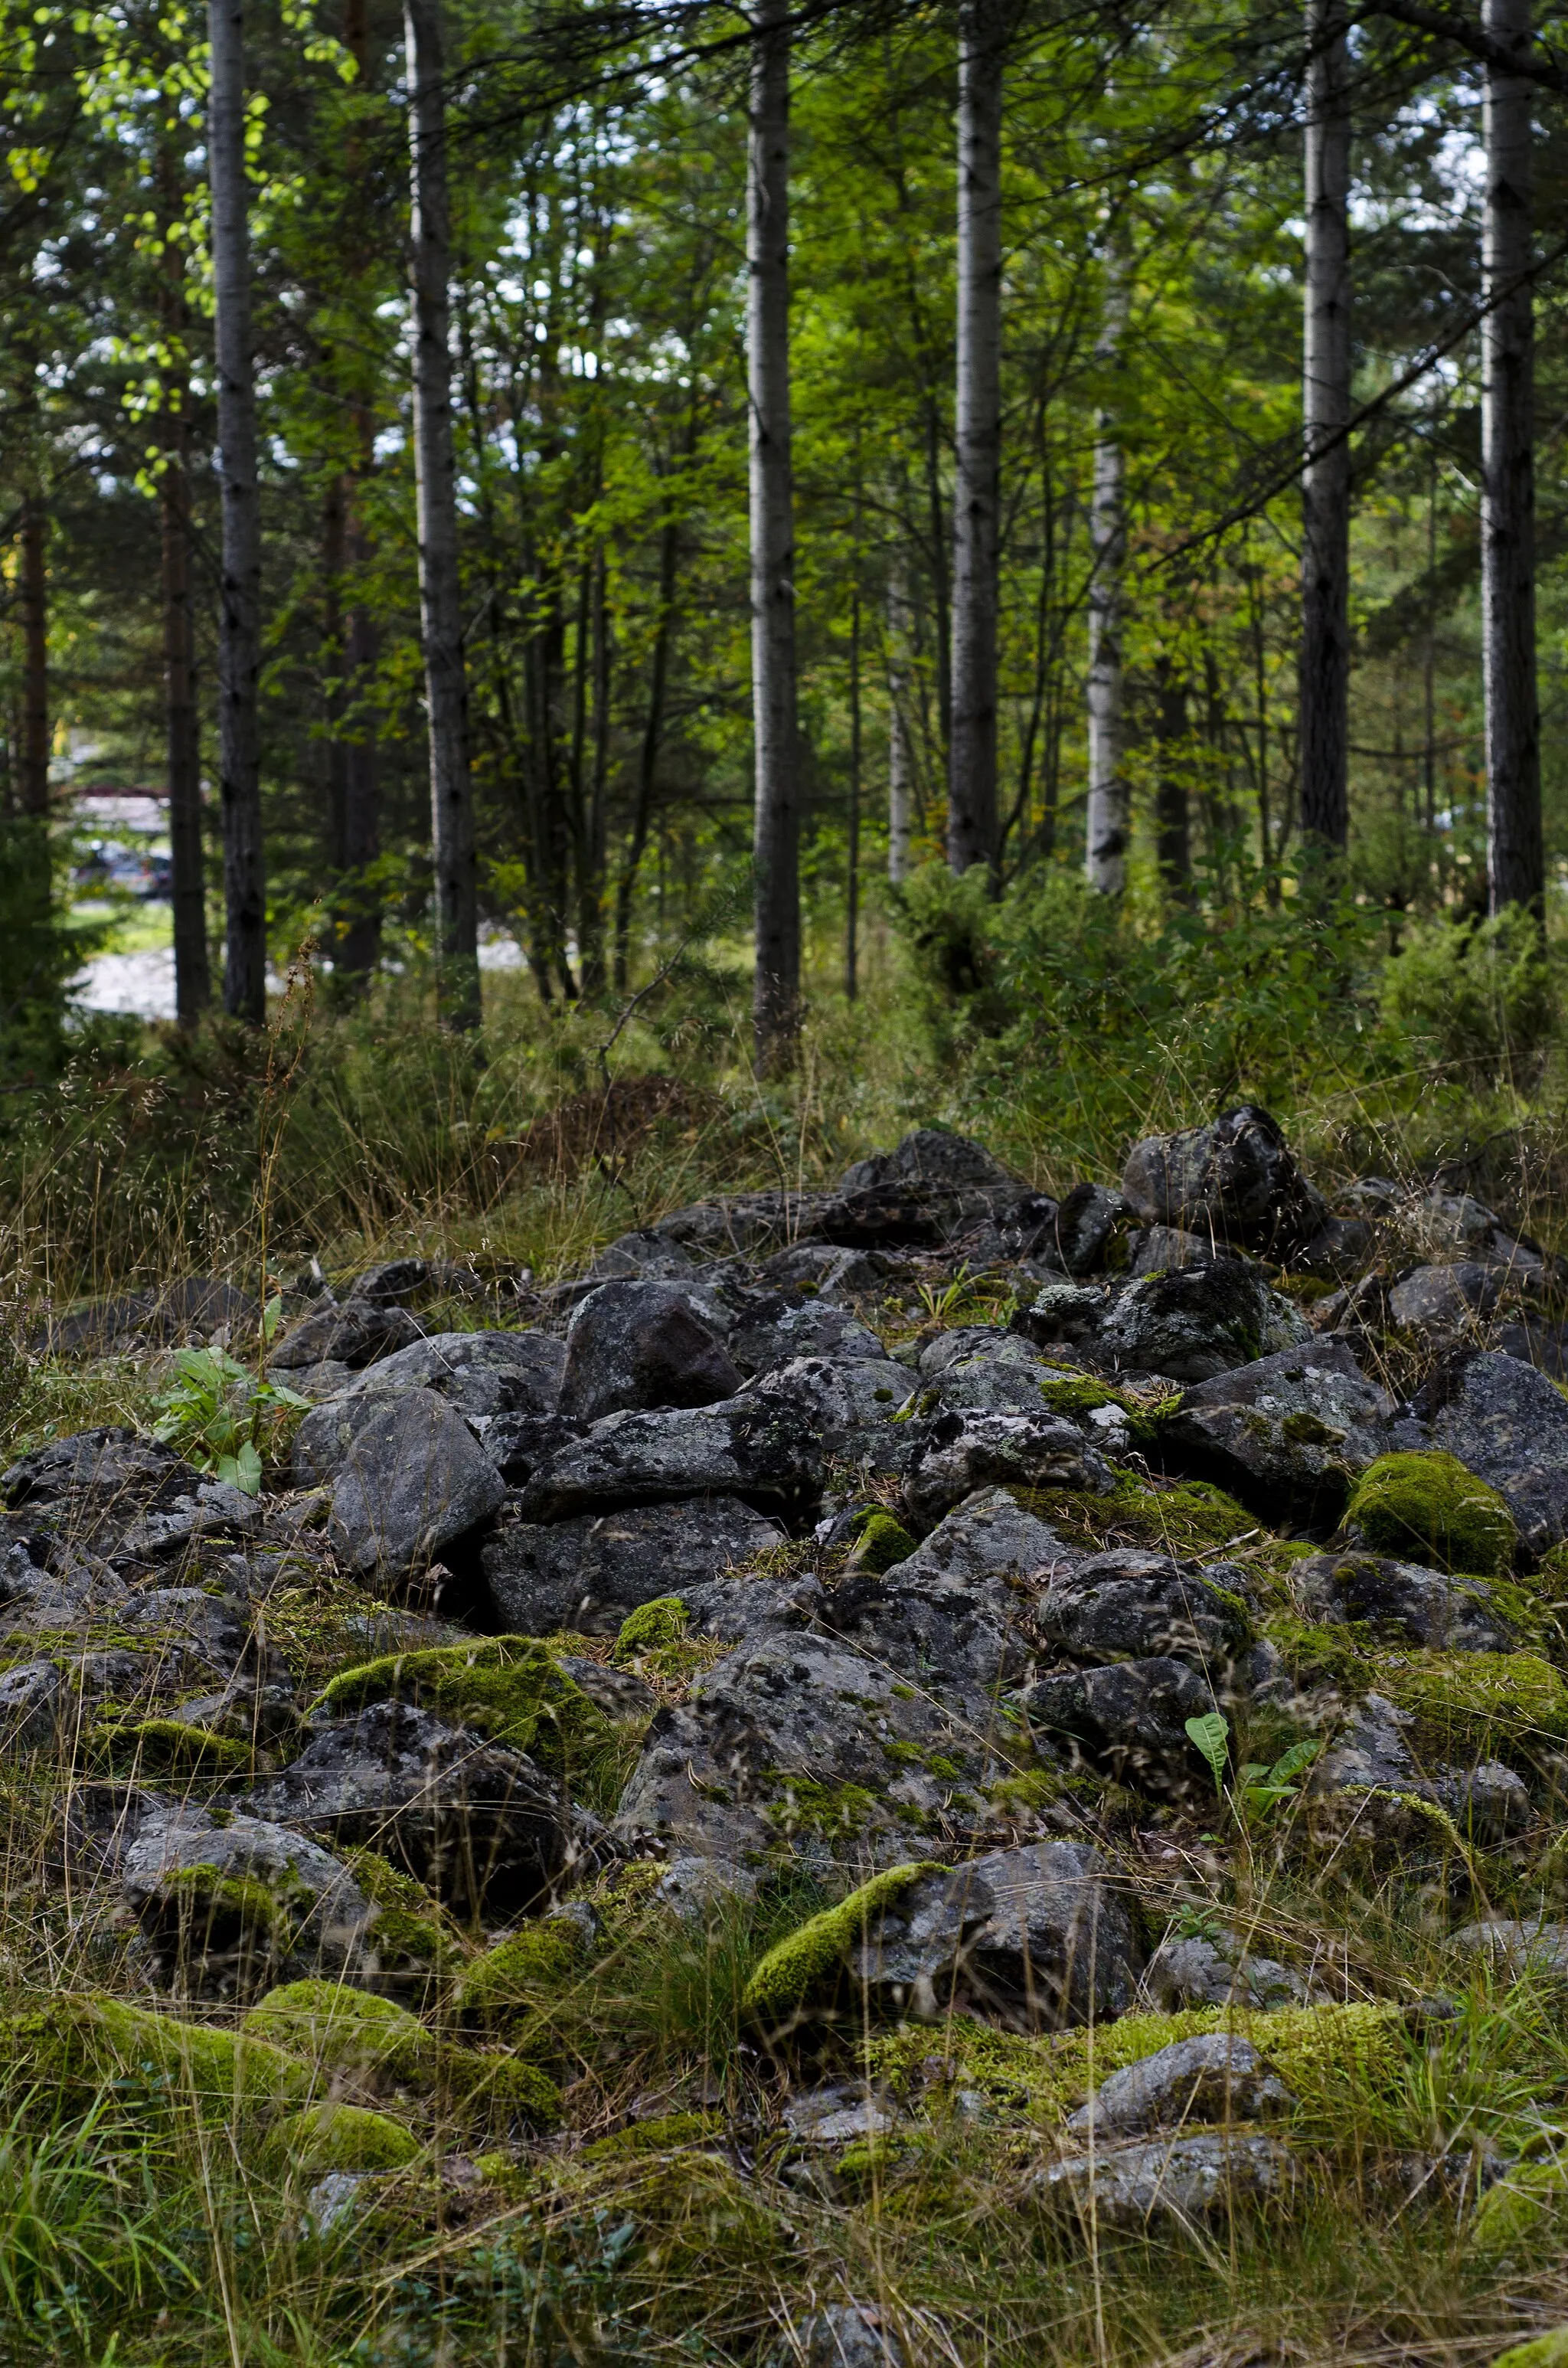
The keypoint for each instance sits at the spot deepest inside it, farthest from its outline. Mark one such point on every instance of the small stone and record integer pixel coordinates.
(413, 1482)
(1214, 2077)
(355, 1335)
(638, 1345)
(1187, 2179)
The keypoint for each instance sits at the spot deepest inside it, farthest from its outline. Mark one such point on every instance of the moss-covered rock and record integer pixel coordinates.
(660, 1622)
(511, 1688)
(1429, 1508)
(496, 2091)
(665, 2134)
(76, 2045)
(1477, 1703)
(512, 1981)
(807, 1961)
(327, 2137)
(1548, 2351)
(164, 1746)
(1190, 1518)
(413, 1930)
(880, 1542)
(348, 2031)
(1508, 2217)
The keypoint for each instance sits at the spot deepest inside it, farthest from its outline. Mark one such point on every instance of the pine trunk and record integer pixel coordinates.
(971, 762)
(1515, 861)
(901, 756)
(193, 976)
(777, 988)
(1173, 825)
(440, 608)
(1325, 408)
(1109, 806)
(239, 632)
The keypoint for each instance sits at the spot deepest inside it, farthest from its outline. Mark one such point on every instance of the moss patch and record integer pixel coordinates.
(1429, 1508)
(511, 1688)
(807, 1961)
(1475, 1702)
(497, 2090)
(1548, 2351)
(880, 1542)
(164, 1746)
(348, 2031)
(662, 1622)
(665, 2133)
(1192, 1518)
(339, 2137)
(79, 2044)
(511, 1981)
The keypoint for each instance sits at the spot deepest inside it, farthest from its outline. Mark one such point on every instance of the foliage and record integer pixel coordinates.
(222, 1418)
(1477, 995)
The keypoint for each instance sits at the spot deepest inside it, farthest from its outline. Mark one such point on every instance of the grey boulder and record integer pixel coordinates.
(1234, 1178)
(771, 1331)
(413, 1481)
(1457, 1615)
(1192, 1970)
(239, 1904)
(1133, 1605)
(1214, 2077)
(589, 1571)
(1287, 1433)
(354, 1335)
(1198, 1322)
(479, 1373)
(1509, 1425)
(1190, 2180)
(635, 1344)
(482, 1827)
(129, 1499)
(1129, 1719)
(952, 1454)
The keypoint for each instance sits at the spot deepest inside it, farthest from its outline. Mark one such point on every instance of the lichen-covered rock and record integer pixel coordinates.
(1443, 1304)
(1085, 1220)
(195, 1309)
(589, 1572)
(771, 1329)
(845, 2335)
(354, 1335)
(413, 1481)
(335, 2137)
(1059, 1946)
(951, 1455)
(129, 1499)
(34, 1706)
(639, 1344)
(232, 1906)
(1518, 1946)
(1187, 2180)
(1431, 1505)
(1195, 1972)
(1427, 1605)
(1213, 2077)
(479, 1373)
(1286, 1433)
(1509, 1425)
(1130, 1605)
(1129, 1720)
(1198, 1322)
(748, 1447)
(478, 1825)
(1234, 1178)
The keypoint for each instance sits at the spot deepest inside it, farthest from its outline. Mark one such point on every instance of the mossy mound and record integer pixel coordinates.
(329, 2137)
(1548, 2351)
(1428, 1508)
(164, 1746)
(660, 1622)
(77, 2045)
(513, 1980)
(1478, 1703)
(510, 1688)
(1192, 1518)
(878, 1541)
(665, 2134)
(807, 1961)
(1509, 2214)
(348, 2031)
(498, 2090)
(411, 1929)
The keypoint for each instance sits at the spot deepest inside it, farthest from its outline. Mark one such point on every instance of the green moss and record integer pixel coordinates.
(497, 2090)
(1429, 1506)
(511, 1688)
(77, 2045)
(1476, 1702)
(410, 1926)
(328, 2137)
(662, 1622)
(216, 1913)
(880, 1542)
(1192, 1518)
(510, 1981)
(1510, 2213)
(665, 2133)
(348, 2031)
(1548, 2351)
(809, 1960)
(163, 1747)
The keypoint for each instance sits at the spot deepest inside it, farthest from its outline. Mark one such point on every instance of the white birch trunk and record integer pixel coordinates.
(1325, 413)
(1105, 858)
(972, 760)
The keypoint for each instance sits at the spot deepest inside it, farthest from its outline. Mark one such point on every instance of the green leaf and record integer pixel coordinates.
(271, 1316)
(242, 1471)
(1211, 1735)
(1290, 1763)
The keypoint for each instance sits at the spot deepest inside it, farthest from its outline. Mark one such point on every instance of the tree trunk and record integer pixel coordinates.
(440, 604)
(971, 761)
(193, 977)
(360, 919)
(776, 994)
(239, 636)
(35, 651)
(1172, 850)
(648, 755)
(1515, 861)
(1109, 813)
(852, 885)
(1326, 412)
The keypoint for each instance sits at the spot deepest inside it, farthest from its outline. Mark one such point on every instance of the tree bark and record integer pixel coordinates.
(34, 588)
(971, 761)
(1516, 873)
(193, 976)
(1108, 816)
(852, 884)
(652, 741)
(239, 634)
(1173, 829)
(440, 608)
(775, 997)
(1325, 411)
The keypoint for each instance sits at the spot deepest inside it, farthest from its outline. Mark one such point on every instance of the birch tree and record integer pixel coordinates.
(1515, 860)
(1326, 407)
(440, 604)
(239, 633)
(193, 977)
(777, 986)
(971, 757)
(1106, 822)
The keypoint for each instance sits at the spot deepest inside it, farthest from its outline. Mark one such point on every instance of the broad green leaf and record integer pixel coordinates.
(1211, 1735)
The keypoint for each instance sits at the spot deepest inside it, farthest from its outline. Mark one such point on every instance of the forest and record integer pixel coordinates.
(783, 1184)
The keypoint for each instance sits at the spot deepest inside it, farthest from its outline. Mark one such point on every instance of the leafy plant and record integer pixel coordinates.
(223, 1417)
(1262, 1787)
(1210, 1736)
